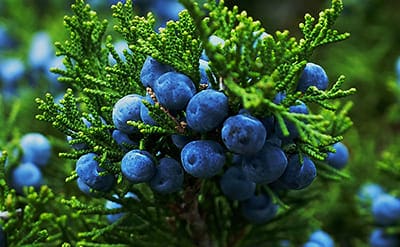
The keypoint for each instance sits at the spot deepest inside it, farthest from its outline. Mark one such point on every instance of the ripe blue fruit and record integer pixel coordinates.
(36, 148)
(369, 192)
(267, 165)
(11, 70)
(312, 244)
(386, 209)
(114, 205)
(293, 132)
(180, 140)
(144, 112)
(127, 108)
(207, 110)
(235, 185)
(138, 166)
(298, 175)
(123, 140)
(379, 238)
(259, 209)
(26, 174)
(202, 158)
(88, 171)
(41, 50)
(322, 238)
(312, 75)
(340, 158)
(168, 177)
(174, 90)
(243, 134)
(151, 71)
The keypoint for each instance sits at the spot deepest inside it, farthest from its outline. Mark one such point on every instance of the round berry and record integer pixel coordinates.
(298, 175)
(88, 171)
(243, 134)
(322, 238)
(379, 238)
(235, 185)
(202, 158)
(312, 244)
(138, 166)
(151, 71)
(259, 209)
(174, 90)
(266, 166)
(369, 192)
(123, 140)
(340, 158)
(26, 174)
(41, 50)
(312, 75)
(180, 140)
(36, 148)
(11, 70)
(207, 110)
(168, 177)
(114, 205)
(386, 209)
(127, 108)
(300, 108)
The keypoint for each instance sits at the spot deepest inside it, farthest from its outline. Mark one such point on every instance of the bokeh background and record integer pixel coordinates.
(368, 59)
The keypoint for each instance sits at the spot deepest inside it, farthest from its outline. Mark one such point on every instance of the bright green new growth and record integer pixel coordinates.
(251, 75)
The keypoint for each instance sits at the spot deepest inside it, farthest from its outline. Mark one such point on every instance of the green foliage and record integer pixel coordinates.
(250, 70)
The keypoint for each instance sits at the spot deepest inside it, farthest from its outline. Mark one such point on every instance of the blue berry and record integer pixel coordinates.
(298, 175)
(370, 192)
(202, 158)
(119, 47)
(123, 140)
(386, 209)
(11, 70)
(204, 67)
(167, 9)
(114, 205)
(379, 238)
(243, 134)
(138, 166)
(55, 62)
(340, 158)
(6, 42)
(235, 185)
(259, 209)
(180, 140)
(322, 238)
(88, 170)
(36, 148)
(144, 112)
(312, 244)
(41, 50)
(127, 108)
(267, 165)
(168, 177)
(293, 132)
(83, 186)
(151, 71)
(207, 110)
(26, 174)
(312, 75)
(174, 90)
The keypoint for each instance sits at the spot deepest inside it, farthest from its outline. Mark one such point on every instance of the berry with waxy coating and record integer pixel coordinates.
(369, 192)
(88, 170)
(243, 134)
(26, 174)
(41, 50)
(202, 158)
(123, 139)
(259, 209)
(386, 209)
(168, 177)
(235, 185)
(312, 244)
(300, 108)
(180, 140)
(322, 238)
(379, 238)
(114, 205)
(138, 166)
(298, 175)
(151, 71)
(174, 90)
(313, 75)
(127, 109)
(36, 148)
(207, 110)
(267, 165)
(340, 158)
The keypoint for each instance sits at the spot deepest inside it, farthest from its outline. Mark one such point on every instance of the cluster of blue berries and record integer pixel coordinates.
(385, 210)
(208, 136)
(34, 68)
(36, 153)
